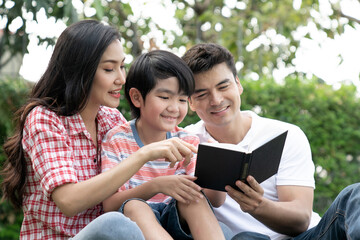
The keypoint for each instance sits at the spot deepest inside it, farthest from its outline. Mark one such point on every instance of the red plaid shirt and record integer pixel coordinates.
(59, 150)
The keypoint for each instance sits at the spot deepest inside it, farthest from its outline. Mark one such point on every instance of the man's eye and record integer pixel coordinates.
(223, 87)
(201, 95)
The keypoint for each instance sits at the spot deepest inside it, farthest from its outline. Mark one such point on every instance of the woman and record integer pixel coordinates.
(53, 165)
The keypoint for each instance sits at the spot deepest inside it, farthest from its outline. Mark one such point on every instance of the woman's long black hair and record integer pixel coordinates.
(64, 88)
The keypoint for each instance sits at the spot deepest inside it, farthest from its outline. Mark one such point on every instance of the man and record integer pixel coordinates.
(281, 206)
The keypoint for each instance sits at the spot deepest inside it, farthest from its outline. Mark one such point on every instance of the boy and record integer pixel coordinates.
(157, 88)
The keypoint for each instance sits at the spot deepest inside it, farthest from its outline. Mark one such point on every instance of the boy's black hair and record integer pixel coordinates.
(153, 66)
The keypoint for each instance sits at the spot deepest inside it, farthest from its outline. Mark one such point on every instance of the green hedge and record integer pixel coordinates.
(328, 117)
(13, 93)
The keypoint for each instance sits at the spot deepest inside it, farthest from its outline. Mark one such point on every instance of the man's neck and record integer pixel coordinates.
(234, 132)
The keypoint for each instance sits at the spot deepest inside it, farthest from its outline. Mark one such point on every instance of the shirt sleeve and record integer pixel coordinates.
(296, 167)
(116, 148)
(110, 152)
(46, 143)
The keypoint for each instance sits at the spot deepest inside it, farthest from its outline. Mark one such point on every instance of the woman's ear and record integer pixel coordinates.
(135, 97)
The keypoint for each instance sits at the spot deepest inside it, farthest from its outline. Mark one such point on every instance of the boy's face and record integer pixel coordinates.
(217, 96)
(164, 107)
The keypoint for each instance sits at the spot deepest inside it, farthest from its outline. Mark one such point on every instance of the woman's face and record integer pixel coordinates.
(109, 77)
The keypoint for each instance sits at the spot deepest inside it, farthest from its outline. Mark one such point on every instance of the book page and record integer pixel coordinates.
(228, 146)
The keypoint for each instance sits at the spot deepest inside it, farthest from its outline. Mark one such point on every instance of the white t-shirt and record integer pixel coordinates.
(296, 168)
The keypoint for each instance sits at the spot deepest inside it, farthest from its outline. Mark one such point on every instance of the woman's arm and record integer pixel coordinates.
(73, 198)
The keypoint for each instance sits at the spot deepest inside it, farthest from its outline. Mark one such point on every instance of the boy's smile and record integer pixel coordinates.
(162, 110)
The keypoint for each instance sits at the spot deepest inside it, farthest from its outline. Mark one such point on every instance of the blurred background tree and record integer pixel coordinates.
(264, 37)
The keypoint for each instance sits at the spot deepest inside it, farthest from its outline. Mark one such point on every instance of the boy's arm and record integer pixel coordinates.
(173, 150)
(180, 187)
(114, 202)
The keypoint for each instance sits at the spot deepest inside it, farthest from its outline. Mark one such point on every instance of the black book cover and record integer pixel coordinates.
(219, 166)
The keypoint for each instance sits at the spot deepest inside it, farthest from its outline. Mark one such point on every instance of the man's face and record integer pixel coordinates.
(217, 96)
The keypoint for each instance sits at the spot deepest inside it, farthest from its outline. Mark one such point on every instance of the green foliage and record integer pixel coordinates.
(328, 117)
(259, 33)
(124, 107)
(16, 41)
(13, 94)
(10, 221)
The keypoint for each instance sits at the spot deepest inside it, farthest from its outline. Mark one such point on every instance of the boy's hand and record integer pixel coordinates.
(180, 187)
(173, 150)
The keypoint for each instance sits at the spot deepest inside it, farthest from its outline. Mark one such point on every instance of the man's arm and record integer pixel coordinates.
(290, 215)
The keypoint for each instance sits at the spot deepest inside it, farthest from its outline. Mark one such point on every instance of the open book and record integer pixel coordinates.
(221, 164)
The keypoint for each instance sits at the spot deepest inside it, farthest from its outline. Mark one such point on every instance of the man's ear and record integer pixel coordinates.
(240, 87)
(191, 105)
(135, 97)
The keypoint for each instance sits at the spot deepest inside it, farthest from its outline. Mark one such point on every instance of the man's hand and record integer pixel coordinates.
(290, 215)
(251, 197)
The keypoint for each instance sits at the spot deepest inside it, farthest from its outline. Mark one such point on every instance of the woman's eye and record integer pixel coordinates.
(108, 69)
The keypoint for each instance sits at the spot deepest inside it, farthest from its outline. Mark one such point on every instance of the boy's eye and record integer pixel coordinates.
(183, 100)
(163, 97)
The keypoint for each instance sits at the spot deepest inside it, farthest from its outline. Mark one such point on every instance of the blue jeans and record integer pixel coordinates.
(110, 226)
(167, 215)
(341, 220)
